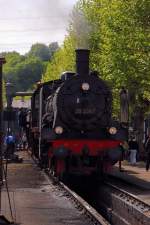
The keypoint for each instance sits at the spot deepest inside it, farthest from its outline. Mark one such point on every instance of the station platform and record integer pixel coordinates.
(35, 200)
(136, 174)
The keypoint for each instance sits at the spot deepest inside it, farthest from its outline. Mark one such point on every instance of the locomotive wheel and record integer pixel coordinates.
(99, 174)
(57, 168)
(49, 165)
(60, 167)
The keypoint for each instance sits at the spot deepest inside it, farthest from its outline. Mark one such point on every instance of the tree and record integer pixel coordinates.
(12, 60)
(119, 42)
(23, 71)
(120, 48)
(63, 60)
(28, 72)
(53, 47)
(40, 51)
(117, 33)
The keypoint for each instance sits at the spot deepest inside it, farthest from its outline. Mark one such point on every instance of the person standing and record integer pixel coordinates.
(133, 148)
(24, 141)
(10, 143)
(147, 149)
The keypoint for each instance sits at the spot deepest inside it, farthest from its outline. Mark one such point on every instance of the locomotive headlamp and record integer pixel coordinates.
(85, 86)
(112, 130)
(58, 130)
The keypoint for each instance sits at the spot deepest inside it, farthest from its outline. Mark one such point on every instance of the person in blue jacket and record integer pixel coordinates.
(10, 145)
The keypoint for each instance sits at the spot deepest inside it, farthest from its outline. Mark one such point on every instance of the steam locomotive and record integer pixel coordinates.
(71, 126)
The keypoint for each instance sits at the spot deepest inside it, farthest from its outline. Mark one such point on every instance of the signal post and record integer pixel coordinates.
(3, 220)
(2, 61)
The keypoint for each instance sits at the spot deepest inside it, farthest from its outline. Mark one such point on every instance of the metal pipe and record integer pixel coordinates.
(2, 61)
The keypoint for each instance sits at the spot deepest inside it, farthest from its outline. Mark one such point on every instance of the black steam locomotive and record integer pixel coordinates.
(71, 126)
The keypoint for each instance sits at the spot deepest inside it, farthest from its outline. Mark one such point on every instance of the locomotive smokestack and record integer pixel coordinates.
(82, 62)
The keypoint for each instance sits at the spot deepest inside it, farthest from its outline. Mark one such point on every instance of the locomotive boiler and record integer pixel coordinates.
(72, 128)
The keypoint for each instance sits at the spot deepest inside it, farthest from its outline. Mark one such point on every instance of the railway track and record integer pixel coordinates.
(93, 216)
(118, 206)
(111, 203)
(122, 207)
(91, 213)
(130, 198)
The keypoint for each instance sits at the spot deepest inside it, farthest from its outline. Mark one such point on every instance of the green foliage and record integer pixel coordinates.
(12, 59)
(119, 42)
(53, 47)
(28, 72)
(118, 34)
(40, 51)
(63, 60)
(24, 71)
(24, 98)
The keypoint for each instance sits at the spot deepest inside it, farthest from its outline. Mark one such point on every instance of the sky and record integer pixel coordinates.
(26, 22)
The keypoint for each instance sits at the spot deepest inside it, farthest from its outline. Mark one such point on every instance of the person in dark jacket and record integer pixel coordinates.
(147, 149)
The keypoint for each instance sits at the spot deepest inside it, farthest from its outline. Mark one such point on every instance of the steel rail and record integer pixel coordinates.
(94, 216)
(131, 198)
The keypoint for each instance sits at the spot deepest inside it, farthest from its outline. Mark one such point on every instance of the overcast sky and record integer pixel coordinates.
(25, 22)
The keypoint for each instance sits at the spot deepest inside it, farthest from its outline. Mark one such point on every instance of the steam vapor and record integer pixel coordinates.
(80, 28)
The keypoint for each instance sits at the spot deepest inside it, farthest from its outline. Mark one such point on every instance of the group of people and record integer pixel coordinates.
(134, 151)
(10, 143)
